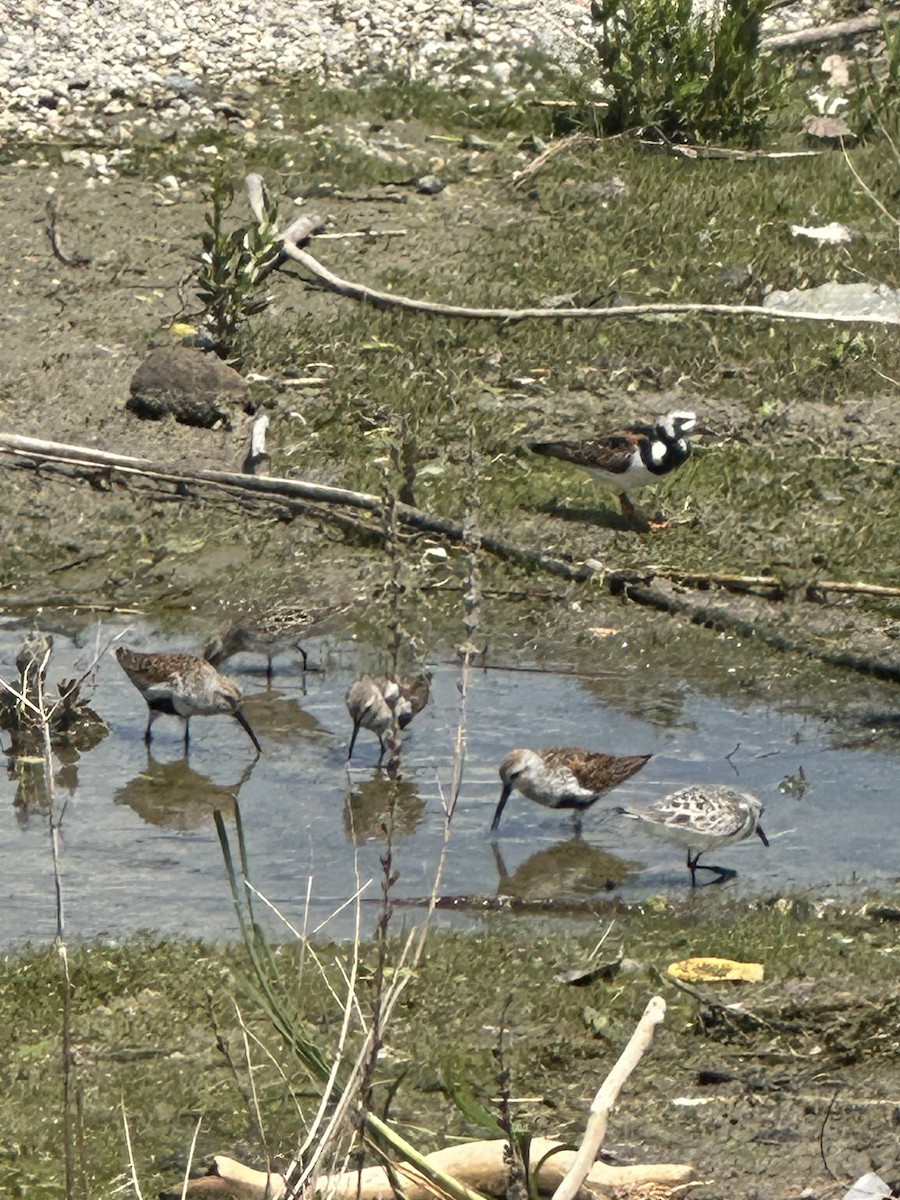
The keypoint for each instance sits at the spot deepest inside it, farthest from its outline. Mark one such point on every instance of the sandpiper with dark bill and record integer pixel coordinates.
(281, 628)
(182, 685)
(376, 702)
(631, 457)
(564, 777)
(700, 818)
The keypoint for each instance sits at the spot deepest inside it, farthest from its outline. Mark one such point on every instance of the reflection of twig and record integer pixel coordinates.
(730, 756)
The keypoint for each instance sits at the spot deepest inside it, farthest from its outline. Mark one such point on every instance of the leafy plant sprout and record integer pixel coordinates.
(234, 265)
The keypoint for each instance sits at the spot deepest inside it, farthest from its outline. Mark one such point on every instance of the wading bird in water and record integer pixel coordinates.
(376, 702)
(701, 818)
(185, 686)
(564, 777)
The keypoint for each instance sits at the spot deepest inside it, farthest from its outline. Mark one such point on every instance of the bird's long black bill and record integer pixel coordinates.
(242, 720)
(762, 837)
(504, 796)
(353, 740)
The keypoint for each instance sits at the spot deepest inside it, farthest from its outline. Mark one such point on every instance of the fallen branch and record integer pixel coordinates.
(275, 488)
(870, 23)
(743, 582)
(721, 620)
(380, 299)
(563, 146)
(632, 583)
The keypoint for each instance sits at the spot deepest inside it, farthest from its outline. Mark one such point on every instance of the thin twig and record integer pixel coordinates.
(867, 190)
(190, 1158)
(134, 1176)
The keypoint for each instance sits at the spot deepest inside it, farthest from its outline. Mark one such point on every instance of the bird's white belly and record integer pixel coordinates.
(636, 476)
(554, 792)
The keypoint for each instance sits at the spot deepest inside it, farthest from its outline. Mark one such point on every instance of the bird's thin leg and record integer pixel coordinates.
(383, 749)
(633, 518)
(692, 867)
(187, 734)
(151, 717)
(305, 657)
(269, 670)
(721, 873)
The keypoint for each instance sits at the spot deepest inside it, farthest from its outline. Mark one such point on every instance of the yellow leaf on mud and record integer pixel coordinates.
(181, 329)
(603, 631)
(711, 970)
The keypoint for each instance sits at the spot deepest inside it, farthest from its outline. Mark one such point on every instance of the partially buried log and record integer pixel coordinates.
(478, 1168)
(482, 1166)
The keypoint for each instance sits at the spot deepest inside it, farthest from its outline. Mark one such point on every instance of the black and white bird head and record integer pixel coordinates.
(675, 426)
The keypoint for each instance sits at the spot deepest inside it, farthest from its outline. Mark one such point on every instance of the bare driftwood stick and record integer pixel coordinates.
(368, 295)
(478, 1165)
(583, 1161)
(478, 1168)
(275, 488)
(258, 455)
(827, 33)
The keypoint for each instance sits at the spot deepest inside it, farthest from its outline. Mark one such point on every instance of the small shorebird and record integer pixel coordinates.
(630, 457)
(700, 818)
(376, 702)
(182, 685)
(280, 628)
(563, 777)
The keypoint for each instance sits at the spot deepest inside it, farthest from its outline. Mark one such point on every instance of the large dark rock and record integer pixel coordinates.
(194, 387)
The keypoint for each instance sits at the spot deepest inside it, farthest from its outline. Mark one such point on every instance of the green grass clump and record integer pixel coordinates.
(689, 74)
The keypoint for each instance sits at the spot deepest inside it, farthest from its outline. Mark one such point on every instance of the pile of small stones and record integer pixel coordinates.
(81, 67)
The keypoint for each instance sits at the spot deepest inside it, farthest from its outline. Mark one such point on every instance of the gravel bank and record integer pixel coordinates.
(73, 67)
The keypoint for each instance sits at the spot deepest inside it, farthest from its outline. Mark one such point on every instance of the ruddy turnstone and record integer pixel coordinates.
(376, 702)
(630, 457)
(280, 628)
(700, 818)
(563, 777)
(185, 686)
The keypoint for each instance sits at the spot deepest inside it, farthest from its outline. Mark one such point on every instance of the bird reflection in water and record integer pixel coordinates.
(281, 718)
(174, 795)
(570, 870)
(382, 807)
